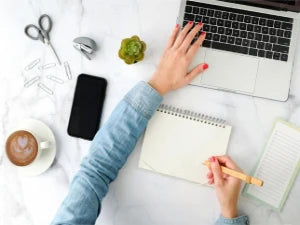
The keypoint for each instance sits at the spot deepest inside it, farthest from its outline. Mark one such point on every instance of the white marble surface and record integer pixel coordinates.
(137, 197)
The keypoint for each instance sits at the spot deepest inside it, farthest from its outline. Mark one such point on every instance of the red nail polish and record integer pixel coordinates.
(190, 22)
(203, 33)
(177, 25)
(213, 158)
(200, 24)
(205, 66)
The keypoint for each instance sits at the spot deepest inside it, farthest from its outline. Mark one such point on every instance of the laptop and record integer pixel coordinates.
(250, 45)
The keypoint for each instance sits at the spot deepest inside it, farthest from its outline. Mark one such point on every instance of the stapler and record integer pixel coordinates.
(85, 46)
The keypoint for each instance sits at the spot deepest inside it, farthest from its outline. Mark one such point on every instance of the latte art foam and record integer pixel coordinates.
(21, 148)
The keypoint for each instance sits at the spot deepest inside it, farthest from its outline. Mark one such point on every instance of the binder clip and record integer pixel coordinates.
(85, 46)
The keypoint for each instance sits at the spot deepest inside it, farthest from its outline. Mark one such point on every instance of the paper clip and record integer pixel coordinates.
(68, 70)
(31, 81)
(47, 66)
(55, 79)
(32, 64)
(45, 88)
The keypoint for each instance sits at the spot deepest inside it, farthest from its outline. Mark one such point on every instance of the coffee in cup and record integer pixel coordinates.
(23, 147)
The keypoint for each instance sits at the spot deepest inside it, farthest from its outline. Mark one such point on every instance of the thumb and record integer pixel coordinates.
(216, 170)
(195, 72)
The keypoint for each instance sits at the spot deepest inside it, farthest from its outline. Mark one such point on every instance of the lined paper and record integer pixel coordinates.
(277, 165)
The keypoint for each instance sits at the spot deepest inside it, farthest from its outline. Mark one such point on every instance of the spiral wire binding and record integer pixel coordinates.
(187, 114)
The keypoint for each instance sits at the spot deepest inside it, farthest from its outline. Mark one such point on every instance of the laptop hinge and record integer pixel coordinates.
(255, 5)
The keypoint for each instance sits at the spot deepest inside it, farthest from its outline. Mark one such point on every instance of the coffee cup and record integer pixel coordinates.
(24, 147)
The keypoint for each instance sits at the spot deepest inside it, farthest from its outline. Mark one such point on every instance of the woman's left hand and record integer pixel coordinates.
(172, 72)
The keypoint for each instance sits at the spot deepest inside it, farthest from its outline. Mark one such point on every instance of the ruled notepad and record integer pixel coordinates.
(177, 142)
(278, 166)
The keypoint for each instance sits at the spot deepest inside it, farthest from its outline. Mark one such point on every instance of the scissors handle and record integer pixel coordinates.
(45, 19)
(33, 32)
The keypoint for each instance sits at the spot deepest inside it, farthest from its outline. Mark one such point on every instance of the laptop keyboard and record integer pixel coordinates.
(241, 31)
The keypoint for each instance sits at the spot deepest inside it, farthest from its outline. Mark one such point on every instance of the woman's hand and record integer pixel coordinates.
(172, 72)
(227, 187)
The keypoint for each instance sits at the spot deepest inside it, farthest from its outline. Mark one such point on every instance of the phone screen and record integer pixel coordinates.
(87, 106)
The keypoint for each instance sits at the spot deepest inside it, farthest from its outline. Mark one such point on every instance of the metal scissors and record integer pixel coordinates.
(42, 32)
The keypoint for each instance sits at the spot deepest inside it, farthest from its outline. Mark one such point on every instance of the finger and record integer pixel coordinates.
(195, 72)
(182, 34)
(225, 175)
(194, 48)
(228, 162)
(173, 36)
(211, 181)
(216, 170)
(209, 175)
(189, 37)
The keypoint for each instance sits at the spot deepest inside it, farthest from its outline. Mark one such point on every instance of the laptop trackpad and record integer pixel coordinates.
(230, 71)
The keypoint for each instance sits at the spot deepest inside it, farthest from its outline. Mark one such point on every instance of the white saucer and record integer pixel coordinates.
(47, 156)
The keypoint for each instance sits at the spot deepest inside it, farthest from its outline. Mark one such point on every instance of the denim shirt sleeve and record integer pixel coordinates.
(241, 220)
(108, 153)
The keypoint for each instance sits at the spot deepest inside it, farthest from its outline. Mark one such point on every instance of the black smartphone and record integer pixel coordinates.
(87, 106)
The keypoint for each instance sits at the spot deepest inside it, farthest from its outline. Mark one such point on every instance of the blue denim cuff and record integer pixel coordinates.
(241, 220)
(144, 99)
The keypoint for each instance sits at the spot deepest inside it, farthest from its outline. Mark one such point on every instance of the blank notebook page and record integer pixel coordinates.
(178, 146)
(278, 166)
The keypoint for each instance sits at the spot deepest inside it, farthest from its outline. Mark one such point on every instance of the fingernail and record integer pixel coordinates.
(212, 159)
(190, 22)
(205, 66)
(203, 33)
(200, 24)
(177, 25)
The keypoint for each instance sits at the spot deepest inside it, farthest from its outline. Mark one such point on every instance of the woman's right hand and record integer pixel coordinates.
(227, 187)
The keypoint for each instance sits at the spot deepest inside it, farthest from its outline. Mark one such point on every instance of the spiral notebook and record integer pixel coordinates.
(177, 142)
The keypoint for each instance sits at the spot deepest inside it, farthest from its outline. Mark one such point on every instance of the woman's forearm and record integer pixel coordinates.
(108, 153)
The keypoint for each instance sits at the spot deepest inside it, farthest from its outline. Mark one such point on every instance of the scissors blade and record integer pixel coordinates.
(51, 47)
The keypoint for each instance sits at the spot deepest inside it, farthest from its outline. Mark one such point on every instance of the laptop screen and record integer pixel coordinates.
(290, 5)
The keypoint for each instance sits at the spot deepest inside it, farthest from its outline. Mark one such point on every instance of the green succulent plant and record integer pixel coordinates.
(132, 50)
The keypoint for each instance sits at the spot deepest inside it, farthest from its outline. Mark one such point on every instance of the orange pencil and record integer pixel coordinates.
(248, 179)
